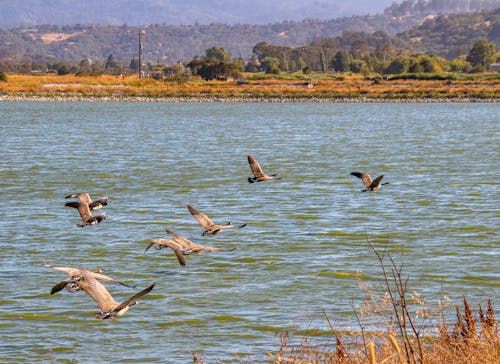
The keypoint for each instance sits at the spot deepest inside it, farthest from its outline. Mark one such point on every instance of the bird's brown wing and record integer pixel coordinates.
(131, 300)
(365, 177)
(97, 291)
(68, 270)
(82, 197)
(376, 181)
(176, 247)
(61, 285)
(186, 243)
(83, 209)
(74, 272)
(203, 219)
(255, 167)
(97, 204)
(176, 237)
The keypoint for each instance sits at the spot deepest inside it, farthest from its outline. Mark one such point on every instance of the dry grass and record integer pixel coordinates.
(48, 38)
(353, 86)
(472, 338)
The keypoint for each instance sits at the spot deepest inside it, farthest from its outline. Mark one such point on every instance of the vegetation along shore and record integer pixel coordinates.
(260, 87)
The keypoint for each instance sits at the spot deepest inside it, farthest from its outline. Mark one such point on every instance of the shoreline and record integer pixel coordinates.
(215, 99)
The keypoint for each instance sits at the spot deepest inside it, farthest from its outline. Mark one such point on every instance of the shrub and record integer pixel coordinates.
(3, 77)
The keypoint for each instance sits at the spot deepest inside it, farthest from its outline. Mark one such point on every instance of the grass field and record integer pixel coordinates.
(315, 86)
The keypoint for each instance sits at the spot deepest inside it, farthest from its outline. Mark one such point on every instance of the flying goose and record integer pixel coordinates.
(178, 249)
(85, 280)
(97, 274)
(180, 245)
(258, 173)
(371, 185)
(188, 245)
(85, 214)
(85, 198)
(207, 224)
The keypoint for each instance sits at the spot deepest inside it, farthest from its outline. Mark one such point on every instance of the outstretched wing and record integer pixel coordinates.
(97, 204)
(255, 167)
(376, 181)
(129, 302)
(176, 247)
(186, 243)
(83, 209)
(176, 237)
(365, 177)
(203, 219)
(61, 285)
(97, 274)
(82, 197)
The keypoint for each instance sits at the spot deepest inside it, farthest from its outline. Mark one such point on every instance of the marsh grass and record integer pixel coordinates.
(408, 331)
(290, 85)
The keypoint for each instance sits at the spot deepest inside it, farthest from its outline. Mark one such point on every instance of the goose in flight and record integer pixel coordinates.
(97, 274)
(258, 173)
(85, 198)
(371, 185)
(207, 224)
(180, 245)
(85, 214)
(178, 249)
(85, 280)
(188, 245)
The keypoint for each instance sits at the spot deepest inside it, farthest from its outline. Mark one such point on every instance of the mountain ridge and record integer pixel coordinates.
(177, 12)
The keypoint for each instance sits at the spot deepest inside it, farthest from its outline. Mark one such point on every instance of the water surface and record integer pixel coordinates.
(307, 234)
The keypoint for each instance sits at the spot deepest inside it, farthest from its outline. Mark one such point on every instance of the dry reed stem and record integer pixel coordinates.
(371, 352)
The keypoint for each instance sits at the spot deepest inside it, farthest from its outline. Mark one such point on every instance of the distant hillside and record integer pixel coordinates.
(172, 44)
(452, 35)
(444, 35)
(176, 12)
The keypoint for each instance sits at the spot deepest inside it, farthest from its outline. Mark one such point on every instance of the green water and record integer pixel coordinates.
(305, 246)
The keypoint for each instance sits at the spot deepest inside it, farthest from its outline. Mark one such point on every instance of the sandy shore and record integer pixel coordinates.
(212, 99)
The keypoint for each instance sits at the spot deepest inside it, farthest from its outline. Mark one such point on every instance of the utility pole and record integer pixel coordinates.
(140, 53)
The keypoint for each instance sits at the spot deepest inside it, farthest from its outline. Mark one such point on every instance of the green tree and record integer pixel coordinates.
(62, 68)
(359, 66)
(307, 70)
(460, 65)
(240, 64)
(112, 66)
(324, 64)
(218, 54)
(211, 69)
(253, 65)
(270, 65)
(341, 62)
(398, 65)
(481, 55)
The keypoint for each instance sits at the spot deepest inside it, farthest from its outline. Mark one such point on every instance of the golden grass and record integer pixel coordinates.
(48, 38)
(345, 86)
(403, 338)
(456, 343)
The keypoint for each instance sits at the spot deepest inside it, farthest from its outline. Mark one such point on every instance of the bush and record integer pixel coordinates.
(3, 77)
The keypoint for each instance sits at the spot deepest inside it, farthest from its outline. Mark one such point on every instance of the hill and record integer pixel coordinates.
(177, 12)
(447, 35)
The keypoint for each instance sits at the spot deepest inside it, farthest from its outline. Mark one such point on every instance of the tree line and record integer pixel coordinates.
(446, 36)
(218, 64)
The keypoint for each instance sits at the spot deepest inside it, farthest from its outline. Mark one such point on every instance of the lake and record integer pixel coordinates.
(305, 248)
